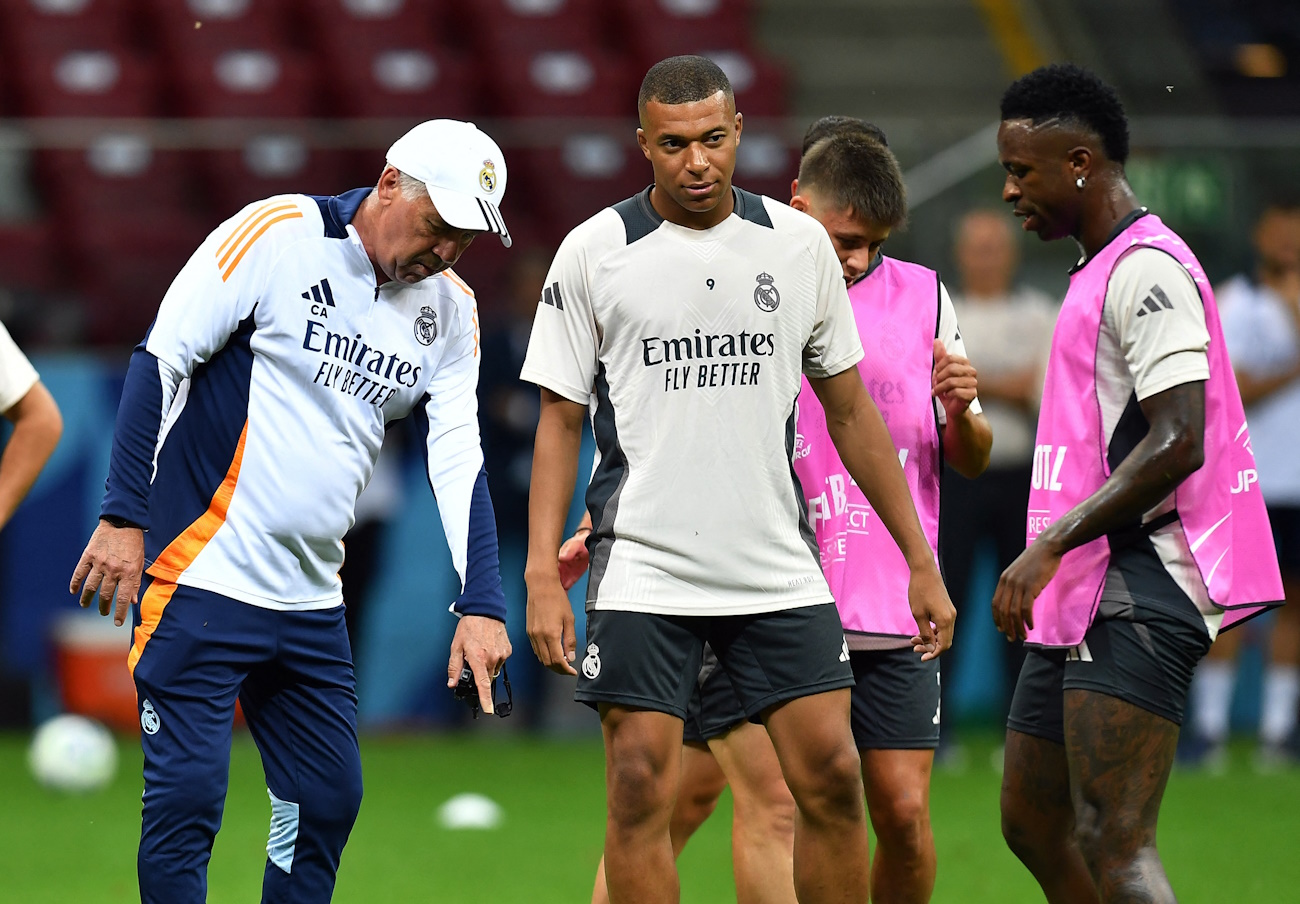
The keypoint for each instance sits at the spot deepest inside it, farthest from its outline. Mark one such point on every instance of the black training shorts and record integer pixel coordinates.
(895, 700)
(895, 704)
(1140, 654)
(649, 661)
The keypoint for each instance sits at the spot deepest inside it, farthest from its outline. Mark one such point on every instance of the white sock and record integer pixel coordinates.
(1212, 698)
(1281, 695)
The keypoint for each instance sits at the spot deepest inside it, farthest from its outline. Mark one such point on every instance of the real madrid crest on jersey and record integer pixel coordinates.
(765, 294)
(426, 326)
(487, 176)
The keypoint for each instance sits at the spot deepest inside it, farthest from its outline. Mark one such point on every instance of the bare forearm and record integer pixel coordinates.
(868, 452)
(1256, 389)
(1171, 451)
(1019, 389)
(37, 428)
(555, 469)
(967, 440)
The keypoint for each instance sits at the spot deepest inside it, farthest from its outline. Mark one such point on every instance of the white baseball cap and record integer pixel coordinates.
(463, 170)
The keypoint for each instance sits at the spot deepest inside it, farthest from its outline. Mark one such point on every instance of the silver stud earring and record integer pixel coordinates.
(1079, 183)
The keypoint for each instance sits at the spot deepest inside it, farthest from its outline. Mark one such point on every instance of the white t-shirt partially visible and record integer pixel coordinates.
(17, 376)
(1005, 336)
(1263, 340)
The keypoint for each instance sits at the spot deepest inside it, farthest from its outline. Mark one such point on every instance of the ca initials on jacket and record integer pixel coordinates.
(1048, 461)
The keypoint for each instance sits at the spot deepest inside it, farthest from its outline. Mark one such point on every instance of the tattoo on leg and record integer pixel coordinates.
(1119, 757)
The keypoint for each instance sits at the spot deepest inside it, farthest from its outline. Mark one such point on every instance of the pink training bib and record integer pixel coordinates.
(896, 307)
(1219, 507)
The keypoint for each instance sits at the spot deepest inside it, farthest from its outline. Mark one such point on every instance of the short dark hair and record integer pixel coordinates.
(1071, 93)
(684, 80)
(855, 172)
(841, 125)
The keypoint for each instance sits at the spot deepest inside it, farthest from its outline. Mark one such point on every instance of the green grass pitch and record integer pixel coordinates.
(1224, 839)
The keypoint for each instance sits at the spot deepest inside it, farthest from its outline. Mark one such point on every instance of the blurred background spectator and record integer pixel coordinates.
(1007, 327)
(1261, 324)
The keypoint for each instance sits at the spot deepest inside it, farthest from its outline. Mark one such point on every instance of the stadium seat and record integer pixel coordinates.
(89, 82)
(585, 174)
(766, 163)
(502, 28)
(273, 164)
(403, 80)
(569, 82)
(126, 271)
(661, 28)
(182, 27)
(50, 25)
(119, 176)
(337, 25)
(27, 258)
(252, 81)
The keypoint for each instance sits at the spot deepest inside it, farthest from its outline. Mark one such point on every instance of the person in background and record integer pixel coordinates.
(1261, 325)
(1011, 327)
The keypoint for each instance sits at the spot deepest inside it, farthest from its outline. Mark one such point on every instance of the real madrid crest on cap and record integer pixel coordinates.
(487, 176)
(765, 294)
(426, 326)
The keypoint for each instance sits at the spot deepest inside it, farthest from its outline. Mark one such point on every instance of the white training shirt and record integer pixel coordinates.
(255, 409)
(688, 346)
(17, 376)
(1007, 334)
(1263, 340)
(1143, 351)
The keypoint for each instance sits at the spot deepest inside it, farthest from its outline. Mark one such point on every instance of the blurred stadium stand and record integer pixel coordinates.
(216, 103)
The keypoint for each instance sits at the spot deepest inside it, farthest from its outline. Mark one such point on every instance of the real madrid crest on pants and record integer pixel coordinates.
(591, 663)
(149, 720)
(765, 294)
(426, 326)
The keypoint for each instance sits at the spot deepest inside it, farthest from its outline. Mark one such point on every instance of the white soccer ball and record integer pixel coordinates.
(470, 811)
(73, 753)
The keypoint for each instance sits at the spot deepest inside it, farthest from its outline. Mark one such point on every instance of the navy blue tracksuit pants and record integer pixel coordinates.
(292, 673)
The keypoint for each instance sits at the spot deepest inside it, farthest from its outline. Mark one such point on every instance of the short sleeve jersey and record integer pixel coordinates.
(688, 347)
(1153, 338)
(17, 376)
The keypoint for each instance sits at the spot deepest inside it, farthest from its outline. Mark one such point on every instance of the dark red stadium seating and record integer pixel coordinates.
(277, 164)
(88, 82)
(60, 25)
(27, 259)
(766, 164)
(128, 216)
(661, 28)
(254, 81)
(568, 82)
(182, 27)
(404, 80)
(566, 185)
(501, 28)
(124, 271)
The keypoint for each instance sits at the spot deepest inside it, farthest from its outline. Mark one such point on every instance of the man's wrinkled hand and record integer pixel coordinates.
(482, 644)
(112, 565)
